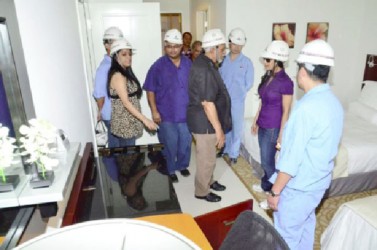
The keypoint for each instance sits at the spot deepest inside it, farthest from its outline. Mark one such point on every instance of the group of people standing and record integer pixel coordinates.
(203, 97)
(187, 97)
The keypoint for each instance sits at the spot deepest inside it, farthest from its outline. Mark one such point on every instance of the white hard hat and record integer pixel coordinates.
(237, 36)
(213, 37)
(317, 52)
(120, 44)
(277, 50)
(173, 36)
(113, 33)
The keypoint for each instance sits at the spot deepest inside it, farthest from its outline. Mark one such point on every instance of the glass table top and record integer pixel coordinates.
(135, 182)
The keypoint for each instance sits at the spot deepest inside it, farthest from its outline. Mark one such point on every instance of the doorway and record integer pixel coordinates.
(170, 21)
(140, 24)
(201, 23)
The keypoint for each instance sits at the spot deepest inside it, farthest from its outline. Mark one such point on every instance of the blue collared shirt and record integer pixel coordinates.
(310, 140)
(238, 76)
(100, 87)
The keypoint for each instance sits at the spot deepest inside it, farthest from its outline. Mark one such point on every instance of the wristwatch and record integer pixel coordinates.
(273, 194)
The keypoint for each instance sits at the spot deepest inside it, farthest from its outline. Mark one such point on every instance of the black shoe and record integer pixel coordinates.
(233, 160)
(185, 172)
(173, 178)
(217, 186)
(220, 154)
(211, 197)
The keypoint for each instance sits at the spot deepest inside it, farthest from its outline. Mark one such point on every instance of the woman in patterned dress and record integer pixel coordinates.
(125, 92)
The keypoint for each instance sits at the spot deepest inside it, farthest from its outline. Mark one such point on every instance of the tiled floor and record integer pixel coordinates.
(235, 190)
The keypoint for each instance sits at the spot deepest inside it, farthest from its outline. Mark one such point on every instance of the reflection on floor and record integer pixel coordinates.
(235, 190)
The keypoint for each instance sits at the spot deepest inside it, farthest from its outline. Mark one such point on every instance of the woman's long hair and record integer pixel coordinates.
(270, 74)
(126, 72)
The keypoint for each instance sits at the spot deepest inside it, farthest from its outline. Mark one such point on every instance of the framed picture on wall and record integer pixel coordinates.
(317, 31)
(285, 32)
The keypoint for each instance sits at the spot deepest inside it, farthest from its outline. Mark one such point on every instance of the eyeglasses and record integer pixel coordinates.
(267, 60)
(108, 41)
(173, 46)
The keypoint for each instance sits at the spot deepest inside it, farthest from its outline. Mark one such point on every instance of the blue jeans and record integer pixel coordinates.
(233, 137)
(267, 138)
(177, 145)
(115, 141)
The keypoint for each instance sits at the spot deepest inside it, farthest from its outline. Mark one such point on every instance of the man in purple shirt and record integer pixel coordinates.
(167, 91)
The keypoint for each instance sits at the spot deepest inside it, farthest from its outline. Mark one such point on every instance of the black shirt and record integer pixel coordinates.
(206, 84)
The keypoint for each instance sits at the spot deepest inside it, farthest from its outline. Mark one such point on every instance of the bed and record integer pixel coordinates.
(354, 226)
(356, 162)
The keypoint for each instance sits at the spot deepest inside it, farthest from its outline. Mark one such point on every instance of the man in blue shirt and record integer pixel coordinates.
(167, 91)
(310, 143)
(100, 86)
(237, 71)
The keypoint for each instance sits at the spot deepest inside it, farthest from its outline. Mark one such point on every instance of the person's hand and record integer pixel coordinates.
(220, 138)
(150, 124)
(279, 139)
(278, 143)
(273, 202)
(156, 117)
(99, 116)
(254, 128)
(152, 166)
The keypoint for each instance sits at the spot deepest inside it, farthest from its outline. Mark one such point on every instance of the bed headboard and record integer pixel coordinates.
(370, 69)
(369, 93)
(366, 106)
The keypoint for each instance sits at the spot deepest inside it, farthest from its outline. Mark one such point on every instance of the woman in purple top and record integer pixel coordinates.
(275, 92)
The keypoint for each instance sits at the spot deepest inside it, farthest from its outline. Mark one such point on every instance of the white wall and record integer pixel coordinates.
(197, 5)
(216, 14)
(54, 60)
(350, 24)
(174, 6)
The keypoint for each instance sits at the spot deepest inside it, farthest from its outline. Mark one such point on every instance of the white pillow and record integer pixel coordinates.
(368, 95)
(363, 111)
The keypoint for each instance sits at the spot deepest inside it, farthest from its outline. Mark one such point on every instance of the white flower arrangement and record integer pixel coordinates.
(7, 148)
(37, 143)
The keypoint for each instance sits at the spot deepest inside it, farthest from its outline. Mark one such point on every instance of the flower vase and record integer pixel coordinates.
(40, 179)
(27, 165)
(8, 182)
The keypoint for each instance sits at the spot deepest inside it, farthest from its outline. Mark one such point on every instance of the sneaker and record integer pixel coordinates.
(185, 172)
(233, 161)
(258, 188)
(264, 205)
(220, 154)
